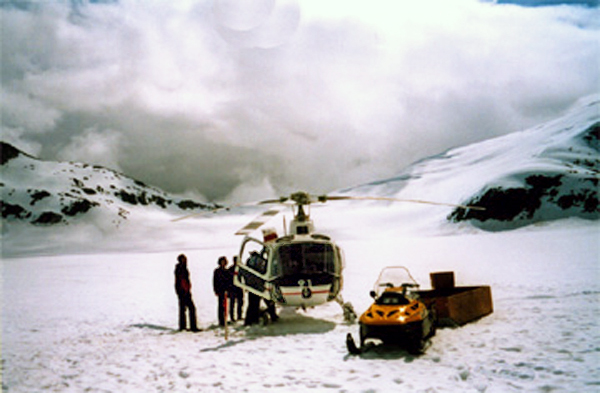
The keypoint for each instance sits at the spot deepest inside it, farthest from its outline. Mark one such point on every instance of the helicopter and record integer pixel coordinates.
(301, 269)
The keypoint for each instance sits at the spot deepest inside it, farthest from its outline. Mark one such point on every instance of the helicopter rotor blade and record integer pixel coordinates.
(304, 198)
(214, 210)
(367, 198)
(260, 220)
(271, 201)
(280, 200)
(211, 211)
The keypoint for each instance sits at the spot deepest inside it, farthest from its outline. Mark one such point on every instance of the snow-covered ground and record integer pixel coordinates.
(105, 322)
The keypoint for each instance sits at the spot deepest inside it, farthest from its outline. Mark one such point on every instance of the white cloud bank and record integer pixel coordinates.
(217, 97)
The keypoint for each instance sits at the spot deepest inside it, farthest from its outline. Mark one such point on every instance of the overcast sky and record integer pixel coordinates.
(237, 99)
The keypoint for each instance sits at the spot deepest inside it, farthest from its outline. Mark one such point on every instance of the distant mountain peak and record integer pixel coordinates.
(46, 193)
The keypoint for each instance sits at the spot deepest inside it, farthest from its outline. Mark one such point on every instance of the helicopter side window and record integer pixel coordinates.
(257, 262)
(255, 256)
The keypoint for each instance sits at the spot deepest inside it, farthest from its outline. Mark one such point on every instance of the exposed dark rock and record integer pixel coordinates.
(78, 207)
(38, 196)
(127, 197)
(592, 137)
(541, 183)
(160, 201)
(189, 204)
(499, 204)
(587, 200)
(8, 152)
(542, 198)
(14, 210)
(48, 218)
(88, 191)
(123, 213)
(142, 199)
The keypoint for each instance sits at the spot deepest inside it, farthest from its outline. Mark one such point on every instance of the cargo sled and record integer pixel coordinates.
(456, 306)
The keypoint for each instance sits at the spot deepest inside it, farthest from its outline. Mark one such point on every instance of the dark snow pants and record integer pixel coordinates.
(236, 303)
(222, 307)
(252, 310)
(186, 303)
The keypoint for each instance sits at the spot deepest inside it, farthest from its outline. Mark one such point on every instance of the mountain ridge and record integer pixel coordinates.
(544, 173)
(48, 192)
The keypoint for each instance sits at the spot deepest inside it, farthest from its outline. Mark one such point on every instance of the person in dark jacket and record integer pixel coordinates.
(236, 295)
(222, 281)
(183, 288)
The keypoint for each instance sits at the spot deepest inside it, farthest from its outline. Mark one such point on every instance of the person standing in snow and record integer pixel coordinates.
(222, 281)
(236, 295)
(183, 288)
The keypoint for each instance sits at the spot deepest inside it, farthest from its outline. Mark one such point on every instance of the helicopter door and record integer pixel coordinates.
(252, 269)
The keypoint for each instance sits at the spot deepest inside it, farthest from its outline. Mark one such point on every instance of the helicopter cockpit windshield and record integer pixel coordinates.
(305, 258)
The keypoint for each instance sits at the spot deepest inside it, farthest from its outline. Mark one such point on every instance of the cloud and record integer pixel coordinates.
(198, 97)
(93, 145)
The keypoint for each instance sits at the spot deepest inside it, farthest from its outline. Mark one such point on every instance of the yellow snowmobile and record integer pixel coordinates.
(397, 316)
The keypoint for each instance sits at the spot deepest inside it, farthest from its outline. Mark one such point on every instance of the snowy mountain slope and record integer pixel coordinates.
(545, 173)
(49, 193)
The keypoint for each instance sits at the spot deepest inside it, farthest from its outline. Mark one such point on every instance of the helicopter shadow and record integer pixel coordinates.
(153, 327)
(291, 322)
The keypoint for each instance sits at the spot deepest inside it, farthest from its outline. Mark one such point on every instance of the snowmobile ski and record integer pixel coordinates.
(351, 345)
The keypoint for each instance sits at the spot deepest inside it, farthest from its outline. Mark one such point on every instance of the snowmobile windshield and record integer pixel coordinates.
(306, 258)
(392, 299)
(394, 276)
